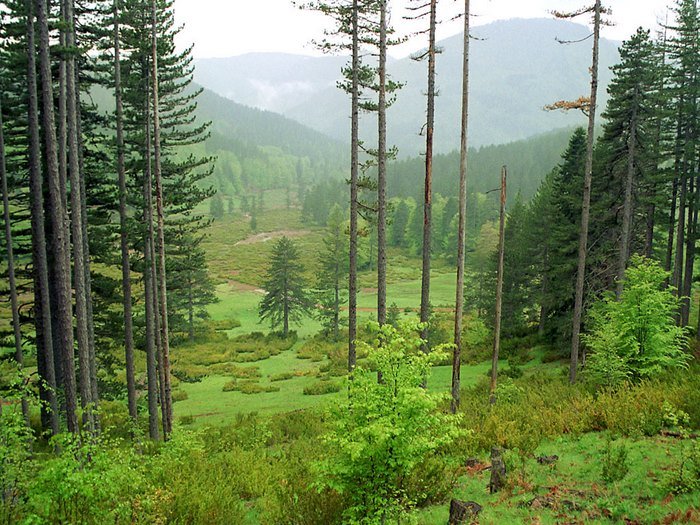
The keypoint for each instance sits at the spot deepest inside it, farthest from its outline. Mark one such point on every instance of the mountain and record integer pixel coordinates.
(237, 123)
(517, 67)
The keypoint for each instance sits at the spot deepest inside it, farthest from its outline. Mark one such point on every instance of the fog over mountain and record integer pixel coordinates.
(517, 67)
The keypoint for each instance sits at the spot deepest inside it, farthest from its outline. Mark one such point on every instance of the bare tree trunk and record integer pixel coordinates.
(42, 302)
(12, 282)
(689, 254)
(680, 235)
(162, 288)
(671, 228)
(499, 289)
(123, 227)
(586, 204)
(428, 197)
(58, 219)
(149, 285)
(76, 220)
(354, 169)
(461, 233)
(626, 235)
(86, 256)
(649, 236)
(381, 168)
(544, 311)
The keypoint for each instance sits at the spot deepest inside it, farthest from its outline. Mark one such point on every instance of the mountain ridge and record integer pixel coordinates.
(517, 67)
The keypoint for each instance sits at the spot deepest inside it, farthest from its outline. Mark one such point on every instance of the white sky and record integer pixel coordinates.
(222, 28)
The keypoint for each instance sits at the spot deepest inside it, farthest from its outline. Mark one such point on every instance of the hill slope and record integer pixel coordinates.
(517, 67)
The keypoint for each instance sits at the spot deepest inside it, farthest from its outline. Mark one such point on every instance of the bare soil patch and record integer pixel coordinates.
(269, 236)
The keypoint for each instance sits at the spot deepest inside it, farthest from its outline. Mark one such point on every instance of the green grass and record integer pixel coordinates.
(573, 490)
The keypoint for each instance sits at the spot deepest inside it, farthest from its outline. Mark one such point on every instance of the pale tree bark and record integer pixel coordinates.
(381, 168)
(149, 285)
(586, 201)
(75, 175)
(461, 229)
(9, 251)
(123, 226)
(42, 302)
(428, 193)
(63, 314)
(162, 283)
(354, 173)
(499, 289)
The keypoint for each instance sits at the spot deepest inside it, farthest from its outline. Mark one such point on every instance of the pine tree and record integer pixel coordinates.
(629, 132)
(286, 299)
(399, 223)
(334, 269)
(216, 206)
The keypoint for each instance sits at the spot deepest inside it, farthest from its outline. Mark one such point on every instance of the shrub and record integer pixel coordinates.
(684, 477)
(282, 376)
(322, 387)
(178, 395)
(636, 337)
(386, 430)
(614, 462)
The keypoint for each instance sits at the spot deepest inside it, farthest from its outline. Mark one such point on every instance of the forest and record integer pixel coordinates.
(213, 314)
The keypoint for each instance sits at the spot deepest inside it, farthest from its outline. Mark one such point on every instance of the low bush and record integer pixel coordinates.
(249, 386)
(178, 395)
(322, 387)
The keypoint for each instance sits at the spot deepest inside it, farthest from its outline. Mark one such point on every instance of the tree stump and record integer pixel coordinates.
(547, 460)
(498, 470)
(463, 512)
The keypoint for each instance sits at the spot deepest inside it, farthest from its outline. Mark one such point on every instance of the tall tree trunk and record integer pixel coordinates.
(86, 258)
(354, 172)
(626, 236)
(162, 284)
(671, 228)
(461, 231)
(689, 254)
(123, 225)
(544, 311)
(149, 285)
(58, 219)
(9, 249)
(381, 168)
(76, 219)
(586, 204)
(680, 235)
(499, 289)
(428, 197)
(42, 302)
(650, 225)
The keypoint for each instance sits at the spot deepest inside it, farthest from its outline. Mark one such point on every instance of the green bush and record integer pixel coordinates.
(322, 387)
(386, 430)
(178, 395)
(684, 477)
(614, 462)
(282, 376)
(636, 337)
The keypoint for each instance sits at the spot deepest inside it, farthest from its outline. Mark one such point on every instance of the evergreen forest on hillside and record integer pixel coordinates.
(212, 313)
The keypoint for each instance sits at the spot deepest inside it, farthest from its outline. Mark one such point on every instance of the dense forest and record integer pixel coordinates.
(211, 313)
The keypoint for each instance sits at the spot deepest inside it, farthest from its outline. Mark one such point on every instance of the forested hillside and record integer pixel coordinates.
(507, 101)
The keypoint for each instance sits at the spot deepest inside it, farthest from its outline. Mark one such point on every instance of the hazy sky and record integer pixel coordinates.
(220, 28)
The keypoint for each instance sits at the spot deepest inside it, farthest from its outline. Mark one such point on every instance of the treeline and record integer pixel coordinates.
(103, 227)
(644, 194)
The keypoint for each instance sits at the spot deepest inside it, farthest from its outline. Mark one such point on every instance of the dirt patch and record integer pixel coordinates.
(269, 236)
(238, 286)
